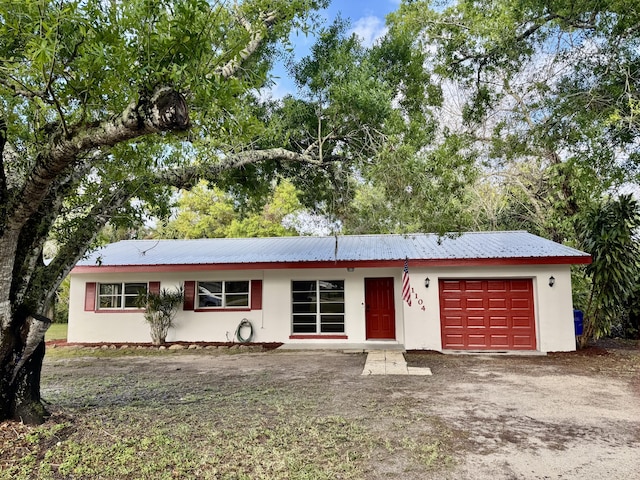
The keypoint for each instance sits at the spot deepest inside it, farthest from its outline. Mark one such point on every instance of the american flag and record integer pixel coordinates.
(406, 287)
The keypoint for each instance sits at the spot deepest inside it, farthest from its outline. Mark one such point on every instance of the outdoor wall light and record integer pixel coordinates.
(427, 282)
(552, 281)
(350, 269)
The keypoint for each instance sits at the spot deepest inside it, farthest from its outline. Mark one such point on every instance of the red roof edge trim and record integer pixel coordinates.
(458, 262)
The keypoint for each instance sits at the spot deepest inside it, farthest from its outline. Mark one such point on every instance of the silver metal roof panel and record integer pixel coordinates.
(475, 245)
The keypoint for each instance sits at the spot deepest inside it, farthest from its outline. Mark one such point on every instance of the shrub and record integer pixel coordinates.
(160, 310)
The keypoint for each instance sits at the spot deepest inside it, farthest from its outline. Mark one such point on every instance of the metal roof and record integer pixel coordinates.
(512, 245)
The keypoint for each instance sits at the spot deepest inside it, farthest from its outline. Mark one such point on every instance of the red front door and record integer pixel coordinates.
(380, 311)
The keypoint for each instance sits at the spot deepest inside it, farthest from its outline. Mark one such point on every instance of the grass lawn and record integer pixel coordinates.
(215, 415)
(222, 414)
(57, 331)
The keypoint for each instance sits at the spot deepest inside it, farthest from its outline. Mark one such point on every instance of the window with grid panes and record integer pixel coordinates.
(223, 294)
(120, 295)
(317, 306)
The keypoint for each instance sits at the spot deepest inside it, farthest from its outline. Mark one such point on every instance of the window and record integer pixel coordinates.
(120, 295)
(318, 306)
(221, 294)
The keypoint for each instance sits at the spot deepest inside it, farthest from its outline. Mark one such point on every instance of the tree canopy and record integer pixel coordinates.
(204, 212)
(104, 106)
(546, 95)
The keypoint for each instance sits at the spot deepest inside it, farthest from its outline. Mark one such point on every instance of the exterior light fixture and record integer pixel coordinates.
(552, 281)
(427, 282)
(350, 269)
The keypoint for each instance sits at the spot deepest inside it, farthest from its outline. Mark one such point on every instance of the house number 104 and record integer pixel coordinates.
(420, 301)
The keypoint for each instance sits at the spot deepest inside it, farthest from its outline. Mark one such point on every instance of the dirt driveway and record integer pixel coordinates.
(558, 417)
(565, 416)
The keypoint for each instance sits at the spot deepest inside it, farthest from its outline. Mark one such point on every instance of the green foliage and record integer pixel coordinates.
(205, 212)
(202, 213)
(61, 304)
(268, 222)
(160, 310)
(608, 232)
(535, 84)
(77, 80)
(545, 95)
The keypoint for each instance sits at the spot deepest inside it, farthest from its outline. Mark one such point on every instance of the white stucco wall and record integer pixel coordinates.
(553, 305)
(415, 328)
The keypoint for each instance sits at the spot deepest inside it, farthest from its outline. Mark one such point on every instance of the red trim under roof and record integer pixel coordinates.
(457, 262)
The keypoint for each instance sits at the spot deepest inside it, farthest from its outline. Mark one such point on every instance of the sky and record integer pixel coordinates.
(367, 19)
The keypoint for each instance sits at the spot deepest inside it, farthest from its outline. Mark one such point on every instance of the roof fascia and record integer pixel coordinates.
(459, 262)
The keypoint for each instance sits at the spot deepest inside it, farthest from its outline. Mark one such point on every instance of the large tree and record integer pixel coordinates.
(380, 108)
(103, 106)
(547, 93)
(546, 87)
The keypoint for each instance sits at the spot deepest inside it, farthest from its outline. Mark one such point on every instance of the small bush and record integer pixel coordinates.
(160, 310)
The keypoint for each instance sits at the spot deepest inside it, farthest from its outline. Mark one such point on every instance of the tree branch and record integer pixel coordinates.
(91, 224)
(536, 26)
(35, 232)
(23, 91)
(256, 35)
(3, 178)
(187, 177)
(71, 252)
(165, 110)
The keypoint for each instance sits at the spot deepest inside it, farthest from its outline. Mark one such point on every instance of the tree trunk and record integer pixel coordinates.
(587, 334)
(21, 353)
(23, 230)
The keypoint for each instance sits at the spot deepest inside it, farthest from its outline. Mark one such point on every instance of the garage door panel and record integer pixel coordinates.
(498, 303)
(471, 285)
(453, 304)
(520, 304)
(451, 285)
(474, 304)
(453, 321)
(455, 340)
(498, 321)
(520, 322)
(487, 314)
(521, 285)
(475, 321)
(499, 341)
(496, 286)
(523, 341)
(476, 340)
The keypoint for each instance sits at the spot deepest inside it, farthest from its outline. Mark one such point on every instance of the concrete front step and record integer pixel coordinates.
(387, 362)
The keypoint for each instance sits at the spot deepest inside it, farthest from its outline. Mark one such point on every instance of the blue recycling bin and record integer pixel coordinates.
(578, 321)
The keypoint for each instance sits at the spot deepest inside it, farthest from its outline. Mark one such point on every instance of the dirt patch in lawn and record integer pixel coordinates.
(210, 414)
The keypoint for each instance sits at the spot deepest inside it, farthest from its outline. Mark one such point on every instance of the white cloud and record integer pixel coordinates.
(369, 29)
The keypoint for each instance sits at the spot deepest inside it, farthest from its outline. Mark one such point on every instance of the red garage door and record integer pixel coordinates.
(487, 315)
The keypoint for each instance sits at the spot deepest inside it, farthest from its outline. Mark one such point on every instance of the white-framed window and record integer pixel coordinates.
(223, 294)
(120, 295)
(317, 306)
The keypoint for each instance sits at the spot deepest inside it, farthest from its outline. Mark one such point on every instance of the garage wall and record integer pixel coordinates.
(553, 305)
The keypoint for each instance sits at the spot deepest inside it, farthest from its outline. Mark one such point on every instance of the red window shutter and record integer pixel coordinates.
(154, 287)
(90, 297)
(189, 295)
(256, 294)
